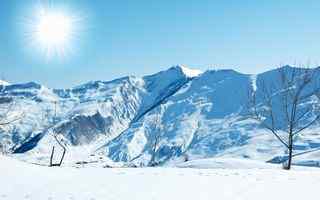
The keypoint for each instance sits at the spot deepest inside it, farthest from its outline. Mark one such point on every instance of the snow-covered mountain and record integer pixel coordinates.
(175, 114)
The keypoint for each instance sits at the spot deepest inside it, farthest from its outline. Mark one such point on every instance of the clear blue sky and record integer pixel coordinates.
(141, 37)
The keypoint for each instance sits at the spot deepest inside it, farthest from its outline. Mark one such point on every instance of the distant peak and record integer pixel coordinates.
(188, 72)
(4, 83)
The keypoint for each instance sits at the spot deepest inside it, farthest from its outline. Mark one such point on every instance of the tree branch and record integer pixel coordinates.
(306, 126)
(305, 152)
(11, 121)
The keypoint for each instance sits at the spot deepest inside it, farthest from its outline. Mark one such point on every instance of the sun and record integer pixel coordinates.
(52, 31)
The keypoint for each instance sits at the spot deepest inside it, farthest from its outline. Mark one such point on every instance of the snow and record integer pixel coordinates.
(190, 72)
(194, 120)
(229, 163)
(254, 82)
(195, 114)
(25, 181)
(5, 83)
(207, 118)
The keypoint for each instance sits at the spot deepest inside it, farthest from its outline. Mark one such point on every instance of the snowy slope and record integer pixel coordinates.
(187, 120)
(190, 72)
(87, 115)
(26, 181)
(229, 163)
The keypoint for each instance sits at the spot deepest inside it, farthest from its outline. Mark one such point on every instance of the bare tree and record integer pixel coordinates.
(285, 107)
(52, 121)
(53, 151)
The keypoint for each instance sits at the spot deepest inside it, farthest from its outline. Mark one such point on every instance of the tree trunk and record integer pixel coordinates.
(288, 166)
(51, 157)
(289, 158)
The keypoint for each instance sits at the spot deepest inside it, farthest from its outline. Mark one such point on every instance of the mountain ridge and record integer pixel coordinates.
(196, 114)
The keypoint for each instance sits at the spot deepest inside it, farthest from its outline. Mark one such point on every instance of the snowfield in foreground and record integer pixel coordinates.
(26, 181)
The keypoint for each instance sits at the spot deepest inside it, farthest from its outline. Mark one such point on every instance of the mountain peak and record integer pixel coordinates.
(188, 72)
(4, 83)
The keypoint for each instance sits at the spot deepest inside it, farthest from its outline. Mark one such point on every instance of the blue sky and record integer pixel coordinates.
(140, 37)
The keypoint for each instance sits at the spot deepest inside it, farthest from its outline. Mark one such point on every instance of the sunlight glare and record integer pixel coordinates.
(52, 31)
